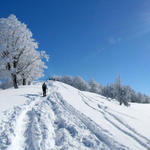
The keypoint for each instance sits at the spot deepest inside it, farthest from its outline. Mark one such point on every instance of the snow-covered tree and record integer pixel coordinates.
(19, 57)
(67, 80)
(94, 87)
(80, 84)
(118, 90)
(76, 82)
(55, 78)
(32, 69)
(109, 91)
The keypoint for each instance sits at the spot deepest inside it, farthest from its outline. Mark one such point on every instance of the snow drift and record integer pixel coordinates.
(69, 119)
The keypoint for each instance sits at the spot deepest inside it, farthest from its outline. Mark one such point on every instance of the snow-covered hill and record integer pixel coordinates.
(68, 119)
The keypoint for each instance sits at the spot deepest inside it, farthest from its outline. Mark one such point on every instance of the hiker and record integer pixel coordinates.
(44, 88)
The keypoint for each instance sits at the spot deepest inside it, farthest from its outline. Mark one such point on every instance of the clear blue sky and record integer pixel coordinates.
(91, 38)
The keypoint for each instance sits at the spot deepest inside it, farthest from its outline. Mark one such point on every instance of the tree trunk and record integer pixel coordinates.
(24, 81)
(14, 78)
(29, 83)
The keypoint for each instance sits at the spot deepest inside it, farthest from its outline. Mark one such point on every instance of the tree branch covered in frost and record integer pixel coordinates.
(19, 58)
(44, 55)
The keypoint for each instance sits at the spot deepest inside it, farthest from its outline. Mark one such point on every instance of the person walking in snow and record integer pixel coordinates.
(44, 88)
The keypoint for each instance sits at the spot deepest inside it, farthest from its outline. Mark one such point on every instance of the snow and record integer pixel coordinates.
(70, 119)
(13, 97)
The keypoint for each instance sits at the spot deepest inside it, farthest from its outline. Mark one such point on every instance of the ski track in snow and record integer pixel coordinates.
(50, 123)
(131, 132)
(94, 129)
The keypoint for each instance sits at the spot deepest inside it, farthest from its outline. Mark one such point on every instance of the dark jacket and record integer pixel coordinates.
(44, 87)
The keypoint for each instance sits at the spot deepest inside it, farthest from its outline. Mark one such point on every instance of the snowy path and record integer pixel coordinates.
(58, 122)
(32, 127)
(47, 124)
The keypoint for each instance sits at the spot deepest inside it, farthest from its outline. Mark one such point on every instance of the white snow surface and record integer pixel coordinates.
(69, 119)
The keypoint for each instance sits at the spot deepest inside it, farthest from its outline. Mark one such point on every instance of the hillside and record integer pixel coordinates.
(69, 119)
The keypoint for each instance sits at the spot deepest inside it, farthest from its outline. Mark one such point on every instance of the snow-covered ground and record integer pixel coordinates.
(69, 119)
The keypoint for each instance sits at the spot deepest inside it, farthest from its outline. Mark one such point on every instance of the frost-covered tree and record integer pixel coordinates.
(67, 80)
(94, 87)
(76, 82)
(116, 90)
(117, 85)
(80, 84)
(19, 57)
(55, 78)
(32, 69)
(109, 91)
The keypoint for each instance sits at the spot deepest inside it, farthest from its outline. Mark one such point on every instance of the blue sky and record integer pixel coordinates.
(91, 38)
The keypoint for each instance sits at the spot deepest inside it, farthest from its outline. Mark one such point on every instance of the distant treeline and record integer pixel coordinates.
(116, 90)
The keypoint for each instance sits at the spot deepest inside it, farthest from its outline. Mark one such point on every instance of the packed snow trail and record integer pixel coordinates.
(44, 124)
(33, 128)
(34, 125)
(68, 119)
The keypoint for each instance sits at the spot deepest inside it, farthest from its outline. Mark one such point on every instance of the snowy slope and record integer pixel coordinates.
(68, 119)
